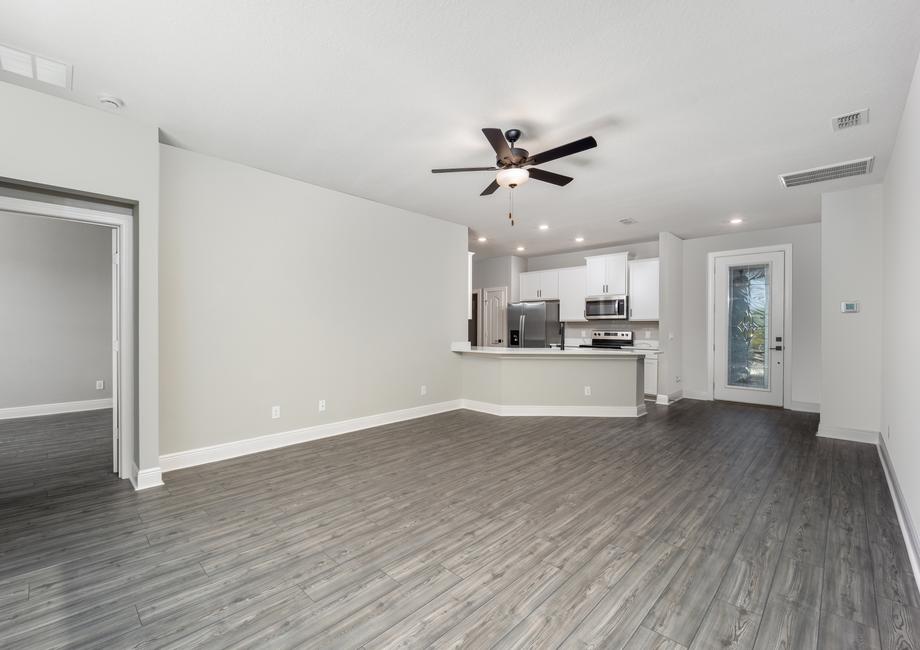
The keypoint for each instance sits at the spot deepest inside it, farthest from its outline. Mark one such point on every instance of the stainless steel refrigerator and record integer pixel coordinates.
(534, 324)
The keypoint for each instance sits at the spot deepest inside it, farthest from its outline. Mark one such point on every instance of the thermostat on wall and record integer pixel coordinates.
(849, 307)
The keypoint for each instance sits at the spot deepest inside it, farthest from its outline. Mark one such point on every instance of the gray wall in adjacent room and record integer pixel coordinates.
(56, 300)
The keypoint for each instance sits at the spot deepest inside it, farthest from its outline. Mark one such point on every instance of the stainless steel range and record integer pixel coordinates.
(610, 339)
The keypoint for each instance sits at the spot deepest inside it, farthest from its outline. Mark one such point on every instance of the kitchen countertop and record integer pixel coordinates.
(552, 352)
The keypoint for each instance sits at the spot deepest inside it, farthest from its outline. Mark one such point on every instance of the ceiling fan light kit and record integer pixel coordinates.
(512, 177)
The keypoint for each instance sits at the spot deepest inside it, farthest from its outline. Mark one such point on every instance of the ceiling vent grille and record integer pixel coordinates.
(32, 66)
(829, 173)
(848, 121)
(627, 221)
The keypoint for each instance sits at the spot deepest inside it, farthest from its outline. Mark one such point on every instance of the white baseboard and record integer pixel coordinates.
(224, 451)
(908, 530)
(506, 410)
(843, 433)
(697, 394)
(142, 479)
(666, 400)
(806, 407)
(52, 409)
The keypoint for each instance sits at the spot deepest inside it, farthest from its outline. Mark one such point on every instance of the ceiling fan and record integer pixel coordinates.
(512, 163)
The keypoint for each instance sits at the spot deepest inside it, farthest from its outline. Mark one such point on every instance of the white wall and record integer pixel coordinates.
(671, 298)
(61, 144)
(851, 345)
(501, 271)
(276, 292)
(637, 251)
(56, 297)
(805, 372)
(901, 309)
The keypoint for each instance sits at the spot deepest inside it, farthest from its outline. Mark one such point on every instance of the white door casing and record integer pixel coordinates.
(749, 337)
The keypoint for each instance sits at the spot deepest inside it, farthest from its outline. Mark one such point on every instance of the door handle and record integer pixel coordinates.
(778, 348)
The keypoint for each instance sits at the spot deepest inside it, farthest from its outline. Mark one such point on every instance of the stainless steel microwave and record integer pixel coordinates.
(605, 308)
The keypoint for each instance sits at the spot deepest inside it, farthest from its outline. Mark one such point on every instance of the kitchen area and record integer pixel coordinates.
(599, 317)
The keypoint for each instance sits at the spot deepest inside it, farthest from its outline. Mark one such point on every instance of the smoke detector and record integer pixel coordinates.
(628, 221)
(828, 173)
(111, 102)
(849, 120)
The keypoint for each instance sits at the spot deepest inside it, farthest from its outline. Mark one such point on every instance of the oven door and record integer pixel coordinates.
(605, 308)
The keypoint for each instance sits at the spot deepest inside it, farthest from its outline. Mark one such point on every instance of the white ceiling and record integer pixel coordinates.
(696, 106)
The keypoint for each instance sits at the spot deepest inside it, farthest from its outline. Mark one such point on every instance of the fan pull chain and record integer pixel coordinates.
(511, 205)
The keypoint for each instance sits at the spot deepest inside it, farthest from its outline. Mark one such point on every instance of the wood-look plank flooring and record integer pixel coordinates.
(701, 525)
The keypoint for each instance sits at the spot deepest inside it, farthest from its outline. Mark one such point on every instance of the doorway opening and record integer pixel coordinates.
(118, 249)
(750, 325)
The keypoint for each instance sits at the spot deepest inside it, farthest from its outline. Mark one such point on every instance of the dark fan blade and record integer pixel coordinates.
(463, 169)
(564, 150)
(550, 177)
(491, 188)
(497, 139)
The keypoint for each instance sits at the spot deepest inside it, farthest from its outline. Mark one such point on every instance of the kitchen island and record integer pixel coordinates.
(549, 381)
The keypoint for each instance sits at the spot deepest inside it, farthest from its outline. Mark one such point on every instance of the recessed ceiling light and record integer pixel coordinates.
(544, 227)
(736, 220)
(111, 102)
(520, 248)
(579, 239)
(482, 240)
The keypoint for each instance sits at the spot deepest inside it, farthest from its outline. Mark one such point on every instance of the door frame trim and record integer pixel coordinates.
(123, 224)
(788, 339)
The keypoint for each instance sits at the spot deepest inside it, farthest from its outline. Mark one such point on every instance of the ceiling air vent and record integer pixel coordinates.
(856, 118)
(32, 66)
(627, 221)
(829, 173)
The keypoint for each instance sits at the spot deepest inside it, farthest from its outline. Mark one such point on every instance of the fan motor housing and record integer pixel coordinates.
(517, 157)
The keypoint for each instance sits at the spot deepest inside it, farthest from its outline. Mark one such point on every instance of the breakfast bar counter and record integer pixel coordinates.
(549, 381)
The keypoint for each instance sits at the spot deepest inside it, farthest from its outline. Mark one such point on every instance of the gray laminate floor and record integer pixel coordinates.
(702, 525)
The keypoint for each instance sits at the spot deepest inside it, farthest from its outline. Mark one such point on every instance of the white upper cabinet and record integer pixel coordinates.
(530, 286)
(643, 289)
(606, 274)
(540, 285)
(572, 294)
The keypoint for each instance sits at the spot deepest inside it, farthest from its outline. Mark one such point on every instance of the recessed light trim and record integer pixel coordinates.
(543, 226)
(520, 249)
(735, 221)
(578, 240)
(482, 240)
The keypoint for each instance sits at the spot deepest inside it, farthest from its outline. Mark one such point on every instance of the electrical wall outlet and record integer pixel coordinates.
(587, 390)
(100, 384)
(423, 390)
(276, 412)
(322, 405)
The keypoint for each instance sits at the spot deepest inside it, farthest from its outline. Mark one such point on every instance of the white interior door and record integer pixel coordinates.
(748, 328)
(494, 317)
(116, 292)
